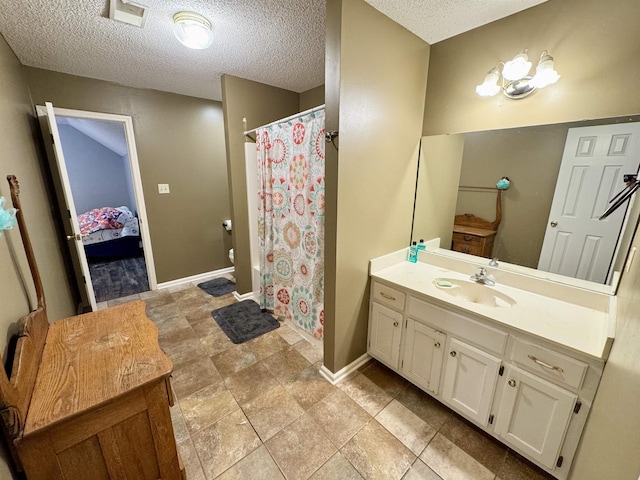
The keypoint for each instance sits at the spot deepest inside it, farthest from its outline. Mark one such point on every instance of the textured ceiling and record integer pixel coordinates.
(277, 42)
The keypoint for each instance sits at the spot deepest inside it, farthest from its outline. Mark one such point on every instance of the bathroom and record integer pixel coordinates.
(598, 81)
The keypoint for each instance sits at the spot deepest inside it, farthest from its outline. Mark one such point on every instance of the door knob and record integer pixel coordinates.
(554, 224)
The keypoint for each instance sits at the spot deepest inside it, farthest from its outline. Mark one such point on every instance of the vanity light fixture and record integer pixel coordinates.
(515, 81)
(193, 30)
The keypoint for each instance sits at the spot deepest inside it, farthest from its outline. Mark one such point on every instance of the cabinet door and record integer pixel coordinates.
(385, 328)
(534, 415)
(423, 354)
(470, 381)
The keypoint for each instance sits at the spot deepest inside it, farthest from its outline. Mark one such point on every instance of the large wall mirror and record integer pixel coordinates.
(562, 177)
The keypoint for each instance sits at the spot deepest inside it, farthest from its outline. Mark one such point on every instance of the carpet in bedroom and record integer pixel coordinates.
(118, 278)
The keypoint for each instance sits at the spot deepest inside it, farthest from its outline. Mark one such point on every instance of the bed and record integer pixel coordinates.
(110, 232)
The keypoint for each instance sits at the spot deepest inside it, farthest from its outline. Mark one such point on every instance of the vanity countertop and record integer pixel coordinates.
(586, 329)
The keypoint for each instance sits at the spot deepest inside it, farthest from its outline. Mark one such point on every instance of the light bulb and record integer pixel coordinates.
(490, 86)
(545, 72)
(517, 68)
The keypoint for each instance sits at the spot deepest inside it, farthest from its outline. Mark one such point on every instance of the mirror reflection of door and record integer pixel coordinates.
(97, 187)
(576, 242)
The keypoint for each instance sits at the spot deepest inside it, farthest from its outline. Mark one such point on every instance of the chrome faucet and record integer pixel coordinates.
(493, 262)
(483, 277)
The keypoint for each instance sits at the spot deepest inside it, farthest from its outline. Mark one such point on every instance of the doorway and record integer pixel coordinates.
(95, 168)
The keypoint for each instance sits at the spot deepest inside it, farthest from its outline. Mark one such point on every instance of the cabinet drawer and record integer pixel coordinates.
(474, 332)
(549, 364)
(476, 250)
(388, 296)
(468, 239)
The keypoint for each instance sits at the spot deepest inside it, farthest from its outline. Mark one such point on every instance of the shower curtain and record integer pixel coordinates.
(291, 219)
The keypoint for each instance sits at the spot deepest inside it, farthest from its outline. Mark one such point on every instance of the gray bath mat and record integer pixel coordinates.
(244, 320)
(218, 286)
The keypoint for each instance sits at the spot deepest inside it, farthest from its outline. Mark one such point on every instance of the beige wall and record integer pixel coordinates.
(259, 104)
(180, 141)
(595, 45)
(19, 156)
(312, 98)
(383, 72)
(438, 176)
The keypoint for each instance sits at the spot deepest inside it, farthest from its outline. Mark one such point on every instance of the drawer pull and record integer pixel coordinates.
(453, 353)
(437, 344)
(546, 365)
(395, 324)
(388, 297)
(467, 238)
(512, 383)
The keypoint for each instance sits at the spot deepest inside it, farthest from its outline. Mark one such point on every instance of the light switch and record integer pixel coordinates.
(163, 188)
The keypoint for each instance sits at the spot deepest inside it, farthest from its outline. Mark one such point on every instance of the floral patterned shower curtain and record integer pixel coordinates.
(291, 219)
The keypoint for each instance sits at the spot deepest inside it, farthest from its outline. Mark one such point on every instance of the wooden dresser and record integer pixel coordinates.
(474, 235)
(473, 240)
(88, 396)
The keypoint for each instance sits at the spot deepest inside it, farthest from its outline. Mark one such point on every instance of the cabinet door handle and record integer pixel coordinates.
(546, 365)
(512, 383)
(453, 353)
(388, 297)
(437, 344)
(395, 324)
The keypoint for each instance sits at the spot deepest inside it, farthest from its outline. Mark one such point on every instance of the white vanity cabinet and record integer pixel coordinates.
(526, 391)
(534, 415)
(423, 354)
(470, 381)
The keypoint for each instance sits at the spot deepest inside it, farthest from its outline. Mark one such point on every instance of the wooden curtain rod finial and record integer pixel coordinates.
(13, 183)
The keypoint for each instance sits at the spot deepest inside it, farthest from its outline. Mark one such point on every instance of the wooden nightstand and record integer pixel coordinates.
(474, 235)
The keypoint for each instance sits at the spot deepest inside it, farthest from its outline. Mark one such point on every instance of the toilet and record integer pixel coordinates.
(231, 256)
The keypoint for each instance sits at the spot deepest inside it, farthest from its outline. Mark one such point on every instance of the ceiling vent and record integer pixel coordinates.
(128, 12)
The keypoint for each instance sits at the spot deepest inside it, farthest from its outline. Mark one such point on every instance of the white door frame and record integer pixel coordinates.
(134, 167)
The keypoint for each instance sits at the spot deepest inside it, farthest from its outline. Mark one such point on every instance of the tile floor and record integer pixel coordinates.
(260, 410)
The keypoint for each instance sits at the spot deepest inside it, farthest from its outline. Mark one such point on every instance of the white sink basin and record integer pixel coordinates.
(474, 292)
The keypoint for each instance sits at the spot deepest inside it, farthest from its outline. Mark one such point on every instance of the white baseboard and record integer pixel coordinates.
(197, 278)
(343, 373)
(245, 296)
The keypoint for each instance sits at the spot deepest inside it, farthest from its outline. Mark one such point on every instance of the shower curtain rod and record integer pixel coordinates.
(291, 117)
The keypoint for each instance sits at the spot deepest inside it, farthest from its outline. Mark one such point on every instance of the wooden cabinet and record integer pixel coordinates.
(534, 415)
(470, 381)
(423, 354)
(474, 241)
(385, 330)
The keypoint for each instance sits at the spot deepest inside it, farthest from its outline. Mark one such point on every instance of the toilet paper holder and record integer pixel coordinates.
(227, 225)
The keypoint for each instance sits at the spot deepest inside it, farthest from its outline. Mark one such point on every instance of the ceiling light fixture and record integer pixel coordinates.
(516, 81)
(193, 30)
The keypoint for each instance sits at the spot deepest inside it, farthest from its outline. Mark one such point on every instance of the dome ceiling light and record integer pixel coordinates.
(193, 30)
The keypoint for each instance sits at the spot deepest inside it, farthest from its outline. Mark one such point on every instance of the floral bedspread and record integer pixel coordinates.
(99, 219)
(124, 224)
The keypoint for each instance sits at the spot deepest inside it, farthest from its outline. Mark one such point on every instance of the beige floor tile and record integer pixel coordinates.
(121, 300)
(168, 322)
(389, 381)
(308, 351)
(286, 364)
(204, 326)
(180, 431)
(207, 406)
(452, 463)
(337, 467)
(216, 342)
(424, 406)
(339, 417)
(201, 313)
(517, 468)
(258, 465)
(266, 345)
(224, 443)
(191, 377)
(233, 360)
(288, 334)
(102, 305)
(406, 426)
(309, 387)
(271, 411)
(185, 351)
(420, 471)
(378, 455)
(300, 449)
(365, 393)
(154, 294)
(476, 443)
(176, 336)
(250, 382)
(190, 460)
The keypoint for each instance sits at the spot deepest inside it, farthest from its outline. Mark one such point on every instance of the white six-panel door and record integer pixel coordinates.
(576, 242)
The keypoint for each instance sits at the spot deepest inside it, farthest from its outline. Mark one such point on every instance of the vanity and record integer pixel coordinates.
(521, 359)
